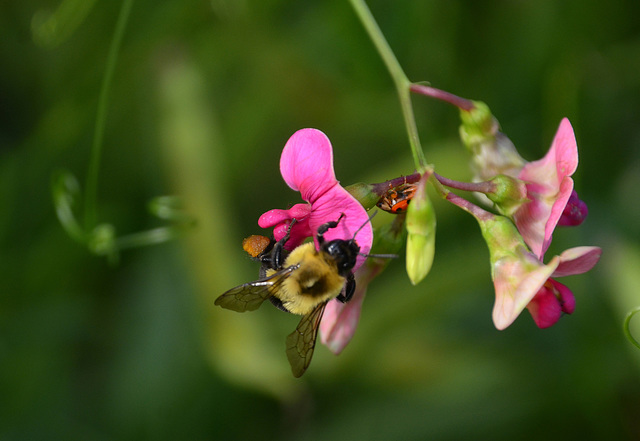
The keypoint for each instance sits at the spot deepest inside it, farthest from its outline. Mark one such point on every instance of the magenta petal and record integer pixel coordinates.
(281, 219)
(329, 206)
(545, 307)
(565, 297)
(306, 163)
(575, 212)
(577, 260)
(340, 321)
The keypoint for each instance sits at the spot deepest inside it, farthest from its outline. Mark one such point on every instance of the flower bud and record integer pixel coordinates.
(508, 195)
(364, 194)
(493, 152)
(575, 212)
(421, 229)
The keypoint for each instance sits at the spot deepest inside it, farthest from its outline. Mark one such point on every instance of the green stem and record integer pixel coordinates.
(400, 80)
(91, 192)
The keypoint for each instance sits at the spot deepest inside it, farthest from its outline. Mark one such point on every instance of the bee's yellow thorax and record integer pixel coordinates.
(315, 281)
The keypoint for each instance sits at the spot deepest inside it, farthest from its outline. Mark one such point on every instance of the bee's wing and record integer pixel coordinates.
(300, 343)
(249, 297)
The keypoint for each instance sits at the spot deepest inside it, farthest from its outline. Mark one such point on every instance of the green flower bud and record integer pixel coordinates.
(493, 153)
(509, 194)
(421, 229)
(478, 125)
(363, 194)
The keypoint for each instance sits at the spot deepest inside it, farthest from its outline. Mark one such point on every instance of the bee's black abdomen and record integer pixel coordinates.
(278, 304)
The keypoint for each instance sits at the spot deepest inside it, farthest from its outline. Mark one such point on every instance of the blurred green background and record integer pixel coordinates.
(204, 96)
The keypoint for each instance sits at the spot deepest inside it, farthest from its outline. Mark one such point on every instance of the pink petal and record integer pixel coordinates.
(560, 161)
(564, 193)
(306, 163)
(566, 149)
(340, 321)
(549, 188)
(280, 220)
(577, 260)
(329, 206)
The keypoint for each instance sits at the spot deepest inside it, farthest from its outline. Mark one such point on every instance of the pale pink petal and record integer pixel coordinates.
(577, 260)
(306, 163)
(516, 283)
(340, 321)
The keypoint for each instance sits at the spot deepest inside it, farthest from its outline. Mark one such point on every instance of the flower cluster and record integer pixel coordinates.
(545, 198)
(530, 199)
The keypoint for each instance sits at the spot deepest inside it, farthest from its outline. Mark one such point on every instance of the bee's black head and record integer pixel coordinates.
(344, 253)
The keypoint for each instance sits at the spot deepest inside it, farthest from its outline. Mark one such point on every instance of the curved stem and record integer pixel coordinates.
(400, 80)
(627, 332)
(91, 191)
(460, 103)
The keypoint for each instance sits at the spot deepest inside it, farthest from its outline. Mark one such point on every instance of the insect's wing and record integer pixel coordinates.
(302, 341)
(249, 297)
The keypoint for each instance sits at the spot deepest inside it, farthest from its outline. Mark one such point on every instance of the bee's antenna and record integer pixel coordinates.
(380, 256)
(365, 223)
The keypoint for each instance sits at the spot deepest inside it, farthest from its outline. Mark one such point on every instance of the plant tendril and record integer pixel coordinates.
(625, 327)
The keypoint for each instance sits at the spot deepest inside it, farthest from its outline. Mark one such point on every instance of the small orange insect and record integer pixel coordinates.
(396, 200)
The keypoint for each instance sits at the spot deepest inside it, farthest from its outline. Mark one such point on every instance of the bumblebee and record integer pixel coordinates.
(300, 282)
(396, 200)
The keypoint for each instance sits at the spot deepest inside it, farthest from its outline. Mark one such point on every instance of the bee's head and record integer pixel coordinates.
(344, 253)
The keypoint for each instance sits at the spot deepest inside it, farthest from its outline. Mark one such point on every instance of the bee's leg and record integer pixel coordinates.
(325, 227)
(349, 289)
(277, 256)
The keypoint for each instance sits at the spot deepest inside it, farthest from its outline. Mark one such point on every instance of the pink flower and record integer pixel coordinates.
(520, 278)
(549, 190)
(526, 282)
(554, 298)
(306, 165)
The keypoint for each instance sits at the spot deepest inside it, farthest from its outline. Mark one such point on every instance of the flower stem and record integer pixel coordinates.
(101, 116)
(480, 187)
(461, 103)
(477, 212)
(400, 80)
